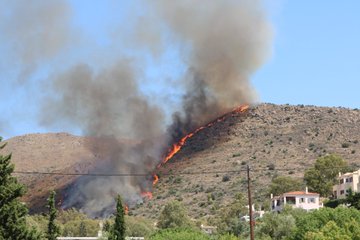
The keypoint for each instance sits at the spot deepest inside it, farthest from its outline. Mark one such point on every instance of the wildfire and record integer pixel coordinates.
(156, 179)
(177, 146)
(147, 195)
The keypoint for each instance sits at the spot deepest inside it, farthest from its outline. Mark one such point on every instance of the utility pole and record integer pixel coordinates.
(250, 205)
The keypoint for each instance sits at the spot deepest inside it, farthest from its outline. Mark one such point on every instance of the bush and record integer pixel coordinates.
(276, 226)
(174, 216)
(271, 166)
(345, 145)
(342, 217)
(226, 178)
(138, 227)
(179, 234)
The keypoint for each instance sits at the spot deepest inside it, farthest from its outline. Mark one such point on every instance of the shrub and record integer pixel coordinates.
(345, 145)
(226, 178)
(179, 234)
(271, 166)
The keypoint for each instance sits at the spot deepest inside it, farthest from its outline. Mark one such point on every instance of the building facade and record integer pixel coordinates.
(298, 199)
(346, 182)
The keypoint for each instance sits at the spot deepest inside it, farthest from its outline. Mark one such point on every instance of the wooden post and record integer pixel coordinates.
(251, 222)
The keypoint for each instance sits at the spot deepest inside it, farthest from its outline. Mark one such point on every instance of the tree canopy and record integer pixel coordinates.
(174, 216)
(12, 211)
(53, 228)
(322, 176)
(118, 230)
(283, 184)
(179, 234)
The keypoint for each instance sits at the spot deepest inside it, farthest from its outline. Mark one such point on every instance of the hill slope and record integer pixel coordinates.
(272, 139)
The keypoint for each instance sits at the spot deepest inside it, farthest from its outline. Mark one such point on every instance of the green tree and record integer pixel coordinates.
(53, 228)
(343, 217)
(82, 229)
(331, 231)
(322, 176)
(179, 234)
(230, 217)
(12, 211)
(277, 226)
(138, 227)
(174, 216)
(353, 200)
(118, 229)
(283, 184)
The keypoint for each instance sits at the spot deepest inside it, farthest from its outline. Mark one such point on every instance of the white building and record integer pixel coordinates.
(345, 182)
(256, 214)
(297, 199)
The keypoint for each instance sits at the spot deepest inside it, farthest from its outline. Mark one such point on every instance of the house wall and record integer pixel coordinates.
(301, 201)
(345, 182)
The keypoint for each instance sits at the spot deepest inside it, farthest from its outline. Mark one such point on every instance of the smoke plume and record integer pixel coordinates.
(226, 41)
(221, 44)
(34, 32)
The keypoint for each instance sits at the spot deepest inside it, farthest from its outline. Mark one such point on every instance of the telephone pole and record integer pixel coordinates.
(250, 205)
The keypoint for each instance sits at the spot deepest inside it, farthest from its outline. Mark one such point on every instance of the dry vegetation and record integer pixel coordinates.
(272, 139)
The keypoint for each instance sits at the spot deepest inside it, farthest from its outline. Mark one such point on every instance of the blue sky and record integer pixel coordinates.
(315, 57)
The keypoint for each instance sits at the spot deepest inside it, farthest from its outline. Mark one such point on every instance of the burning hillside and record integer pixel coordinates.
(121, 95)
(288, 137)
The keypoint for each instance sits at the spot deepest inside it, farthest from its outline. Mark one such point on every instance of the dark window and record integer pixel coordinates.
(341, 181)
(350, 179)
(290, 200)
(341, 192)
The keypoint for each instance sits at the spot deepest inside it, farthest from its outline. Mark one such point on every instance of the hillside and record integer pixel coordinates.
(272, 139)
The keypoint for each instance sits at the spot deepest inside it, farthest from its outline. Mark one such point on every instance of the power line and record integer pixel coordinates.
(94, 174)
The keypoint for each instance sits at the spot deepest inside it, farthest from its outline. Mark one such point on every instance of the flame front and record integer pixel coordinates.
(156, 179)
(177, 146)
(147, 195)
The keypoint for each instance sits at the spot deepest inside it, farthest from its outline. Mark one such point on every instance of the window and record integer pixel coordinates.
(341, 192)
(348, 180)
(290, 200)
(311, 200)
(301, 200)
(341, 181)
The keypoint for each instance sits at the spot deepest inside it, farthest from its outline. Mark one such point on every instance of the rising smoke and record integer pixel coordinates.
(222, 43)
(35, 32)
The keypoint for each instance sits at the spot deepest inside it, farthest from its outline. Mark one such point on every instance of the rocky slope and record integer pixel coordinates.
(209, 169)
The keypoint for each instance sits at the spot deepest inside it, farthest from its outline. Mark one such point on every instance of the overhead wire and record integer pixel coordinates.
(118, 174)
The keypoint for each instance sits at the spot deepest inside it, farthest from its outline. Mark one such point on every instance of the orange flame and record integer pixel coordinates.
(147, 195)
(177, 146)
(156, 179)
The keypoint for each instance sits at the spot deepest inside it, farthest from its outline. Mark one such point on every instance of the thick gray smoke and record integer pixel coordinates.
(227, 41)
(222, 43)
(35, 32)
(109, 108)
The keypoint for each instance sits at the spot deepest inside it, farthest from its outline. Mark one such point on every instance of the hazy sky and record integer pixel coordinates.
(315, 55)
